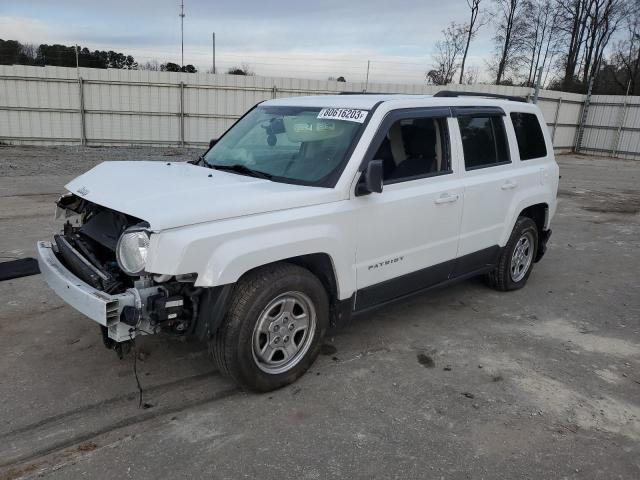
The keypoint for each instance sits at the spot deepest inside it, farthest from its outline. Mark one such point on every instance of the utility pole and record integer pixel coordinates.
(77, 62)
(366, 83)
(181, 15)
(213, 53)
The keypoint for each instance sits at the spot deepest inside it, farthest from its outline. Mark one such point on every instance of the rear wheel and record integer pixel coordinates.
(273, 329)
(517, 258)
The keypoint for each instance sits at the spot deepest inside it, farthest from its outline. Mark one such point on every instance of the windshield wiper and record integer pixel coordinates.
(198, 160)
(243, 170)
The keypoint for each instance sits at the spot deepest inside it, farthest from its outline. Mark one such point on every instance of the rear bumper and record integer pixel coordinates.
(542, 244)
(100, 307)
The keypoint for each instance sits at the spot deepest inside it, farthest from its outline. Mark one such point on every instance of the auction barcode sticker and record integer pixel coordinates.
(348, 114)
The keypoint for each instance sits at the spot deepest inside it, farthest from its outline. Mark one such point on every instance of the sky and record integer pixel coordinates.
(291, 38)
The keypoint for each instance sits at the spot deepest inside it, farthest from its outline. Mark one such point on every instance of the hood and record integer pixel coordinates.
(169, 195)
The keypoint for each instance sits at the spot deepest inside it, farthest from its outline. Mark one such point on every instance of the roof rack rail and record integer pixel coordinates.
(454, 93)
(369, 93)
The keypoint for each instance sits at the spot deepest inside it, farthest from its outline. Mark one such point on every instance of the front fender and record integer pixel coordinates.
(231, 259)
(221, 252)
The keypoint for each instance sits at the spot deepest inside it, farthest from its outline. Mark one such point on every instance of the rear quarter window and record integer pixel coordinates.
(529, 135)
(484, 141)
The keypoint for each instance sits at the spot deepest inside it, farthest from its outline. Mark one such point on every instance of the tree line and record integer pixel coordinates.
(574, 42)
(13, 52)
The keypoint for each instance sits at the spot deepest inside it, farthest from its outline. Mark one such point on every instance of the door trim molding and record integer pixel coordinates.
(420, 281)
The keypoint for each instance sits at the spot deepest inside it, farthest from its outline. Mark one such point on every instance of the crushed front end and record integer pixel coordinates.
(96, 265)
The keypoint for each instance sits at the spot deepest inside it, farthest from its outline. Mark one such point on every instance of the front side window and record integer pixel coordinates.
(529, 135)
(414, 148)
(287, 144)
(484, 141)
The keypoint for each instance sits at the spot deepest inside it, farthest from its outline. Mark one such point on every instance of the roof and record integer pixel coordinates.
(368, 101)
(365, 102)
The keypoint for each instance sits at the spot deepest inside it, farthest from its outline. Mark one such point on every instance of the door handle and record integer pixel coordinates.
(447, 198)
(508, 185)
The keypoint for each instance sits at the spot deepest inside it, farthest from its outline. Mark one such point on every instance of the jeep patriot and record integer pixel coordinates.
(306, 211)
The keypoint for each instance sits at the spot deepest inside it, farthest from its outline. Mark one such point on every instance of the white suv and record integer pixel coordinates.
(306, 211)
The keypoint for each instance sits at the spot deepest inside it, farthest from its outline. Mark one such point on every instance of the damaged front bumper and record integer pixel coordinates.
(99, 306)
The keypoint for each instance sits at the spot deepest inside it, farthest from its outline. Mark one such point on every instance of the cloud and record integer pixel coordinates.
(287, 37)
(28, 30)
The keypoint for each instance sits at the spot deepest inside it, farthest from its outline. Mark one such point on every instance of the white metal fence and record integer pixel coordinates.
(57, 105)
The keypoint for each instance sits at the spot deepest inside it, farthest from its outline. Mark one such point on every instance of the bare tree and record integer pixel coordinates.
(574, 16)
(471, 76)
(243, 69)
(624, 62)
(604, 20)
(553, 43)
(446, 58)
(509, 37)
(29, 51)
(152, 65)
(588, 27)
(541, 35)
(471, 29)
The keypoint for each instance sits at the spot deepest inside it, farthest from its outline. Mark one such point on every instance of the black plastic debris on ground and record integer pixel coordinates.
(425, 360)
(327, 349)
(23, 267)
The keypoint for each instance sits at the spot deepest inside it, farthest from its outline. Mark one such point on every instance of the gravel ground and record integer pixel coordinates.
(464, 382)
(31, 160)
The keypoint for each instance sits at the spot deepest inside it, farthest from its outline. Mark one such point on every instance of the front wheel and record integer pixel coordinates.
(274, 327)
(517, 257)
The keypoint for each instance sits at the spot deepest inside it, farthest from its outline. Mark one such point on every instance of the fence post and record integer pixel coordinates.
(538, 81)
(182, 114)
(623, 119)
(83, 133)
(580, 131)
(583, 116)
(555, 120)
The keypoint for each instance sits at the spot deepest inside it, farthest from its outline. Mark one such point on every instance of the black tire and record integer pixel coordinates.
(233, 345)
(501, 278)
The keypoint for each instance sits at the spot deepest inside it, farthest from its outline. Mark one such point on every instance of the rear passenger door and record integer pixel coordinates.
(408, 234)
(489, 185)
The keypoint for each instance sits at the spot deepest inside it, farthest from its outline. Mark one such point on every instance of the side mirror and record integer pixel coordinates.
(212, 142)
(371, 180)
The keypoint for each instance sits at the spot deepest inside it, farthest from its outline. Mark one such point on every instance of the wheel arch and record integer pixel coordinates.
(539, 213)
(319, 264)
(537, 209)
(215, 300)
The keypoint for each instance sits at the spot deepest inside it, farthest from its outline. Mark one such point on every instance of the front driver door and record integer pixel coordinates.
(408, 234)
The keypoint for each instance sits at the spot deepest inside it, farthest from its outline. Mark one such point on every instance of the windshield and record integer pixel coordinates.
(301, 145)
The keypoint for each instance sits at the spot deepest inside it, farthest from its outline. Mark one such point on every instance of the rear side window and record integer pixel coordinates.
(529, 135)
(484, 141)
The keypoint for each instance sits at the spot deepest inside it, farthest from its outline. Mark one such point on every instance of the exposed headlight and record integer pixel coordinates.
(131, 251)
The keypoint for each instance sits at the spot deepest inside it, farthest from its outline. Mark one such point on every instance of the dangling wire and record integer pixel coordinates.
(135, 367)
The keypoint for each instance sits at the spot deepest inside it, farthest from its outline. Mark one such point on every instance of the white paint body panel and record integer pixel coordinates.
(222, 226)
(169, 195)
(407, 226)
